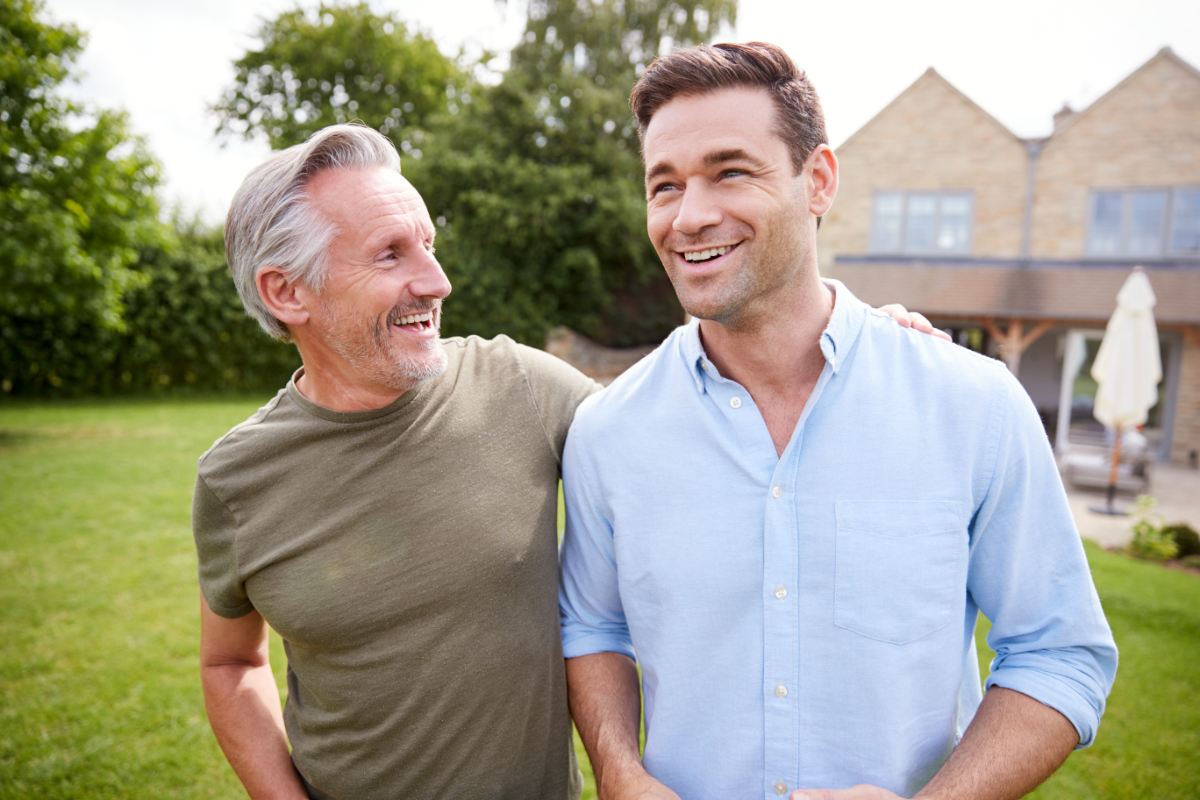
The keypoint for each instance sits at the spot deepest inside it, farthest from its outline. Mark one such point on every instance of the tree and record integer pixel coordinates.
(537, 185)
(332, 64)
(76, 202)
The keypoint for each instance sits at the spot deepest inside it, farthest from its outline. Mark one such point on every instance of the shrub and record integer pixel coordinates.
(1186, 538)
(1150, 540)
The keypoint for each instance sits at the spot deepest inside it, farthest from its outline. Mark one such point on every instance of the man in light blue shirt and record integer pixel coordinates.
(793, 511)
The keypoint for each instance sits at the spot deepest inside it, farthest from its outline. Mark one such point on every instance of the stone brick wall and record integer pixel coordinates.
(1144, 132)
(930, 137)
(1187, 409)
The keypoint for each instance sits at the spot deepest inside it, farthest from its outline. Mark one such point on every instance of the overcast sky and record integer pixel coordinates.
(165, 63)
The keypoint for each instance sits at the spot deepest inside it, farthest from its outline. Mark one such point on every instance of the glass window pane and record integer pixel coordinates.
(1104, 229)
(887, 221)
(1147, 215)
(955, 229)
(1185, 228)
(920, 234)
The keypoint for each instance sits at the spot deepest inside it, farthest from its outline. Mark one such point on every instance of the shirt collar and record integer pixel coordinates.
(837, 339)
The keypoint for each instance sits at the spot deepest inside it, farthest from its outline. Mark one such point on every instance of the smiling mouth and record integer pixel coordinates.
(415, 322)
(701, 256)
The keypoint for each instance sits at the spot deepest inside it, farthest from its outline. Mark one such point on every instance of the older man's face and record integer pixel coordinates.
(380, 309)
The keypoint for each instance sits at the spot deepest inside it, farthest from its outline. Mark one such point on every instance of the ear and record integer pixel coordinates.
(287, 300)
(822, 169)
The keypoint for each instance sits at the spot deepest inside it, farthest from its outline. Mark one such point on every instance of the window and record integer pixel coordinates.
(922, 222)
(1144, 223)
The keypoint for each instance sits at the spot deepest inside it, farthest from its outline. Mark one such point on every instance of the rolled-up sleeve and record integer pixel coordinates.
(1029, 575)
(593, 618)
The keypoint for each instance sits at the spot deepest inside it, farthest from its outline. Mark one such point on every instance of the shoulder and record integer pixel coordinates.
(256, 426)
(885, 346)
(501, 359)
(642, 387)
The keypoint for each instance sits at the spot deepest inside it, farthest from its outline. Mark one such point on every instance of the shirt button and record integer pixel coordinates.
(781, 788)
(780, 592)
(776, 492)
(781, 690)
(834, 361)
(736, 402)
(704, 364)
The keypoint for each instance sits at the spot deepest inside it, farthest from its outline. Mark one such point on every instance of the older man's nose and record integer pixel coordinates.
(431, 281)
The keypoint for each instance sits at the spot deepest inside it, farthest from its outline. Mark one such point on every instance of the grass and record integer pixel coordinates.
(99, 694)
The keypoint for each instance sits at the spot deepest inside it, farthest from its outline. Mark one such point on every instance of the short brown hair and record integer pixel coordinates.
(709, 68)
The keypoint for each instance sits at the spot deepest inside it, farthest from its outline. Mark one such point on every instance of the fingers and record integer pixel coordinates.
(898, 313)
(914, 320)
(920, 323)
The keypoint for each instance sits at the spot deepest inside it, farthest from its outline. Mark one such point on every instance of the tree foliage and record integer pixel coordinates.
(76, 188)
(97, 295)
(539, 180)
(183, 329)
(332, 64)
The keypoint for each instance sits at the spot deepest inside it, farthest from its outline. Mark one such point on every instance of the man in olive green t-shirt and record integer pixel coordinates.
(391, 512)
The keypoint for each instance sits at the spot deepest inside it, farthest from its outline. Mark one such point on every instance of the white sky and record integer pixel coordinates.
(1020, 60)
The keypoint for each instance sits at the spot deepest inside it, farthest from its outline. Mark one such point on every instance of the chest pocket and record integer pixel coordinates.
(901, 567)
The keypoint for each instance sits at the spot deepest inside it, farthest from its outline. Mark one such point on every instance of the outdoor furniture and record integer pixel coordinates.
(1088, 461)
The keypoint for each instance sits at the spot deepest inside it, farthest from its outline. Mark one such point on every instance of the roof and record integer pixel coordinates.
(930, 74)
(1165, 54)
(1077, 294)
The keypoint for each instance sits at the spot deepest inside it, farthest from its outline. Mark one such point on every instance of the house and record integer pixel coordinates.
(1019, 246)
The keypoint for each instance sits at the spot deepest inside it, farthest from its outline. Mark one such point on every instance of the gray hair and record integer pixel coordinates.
(273, 221)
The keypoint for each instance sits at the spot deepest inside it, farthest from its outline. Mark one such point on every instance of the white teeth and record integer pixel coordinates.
(411, 318)
(705, 255)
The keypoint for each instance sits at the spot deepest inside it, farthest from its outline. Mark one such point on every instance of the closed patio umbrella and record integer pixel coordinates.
(1128, 367)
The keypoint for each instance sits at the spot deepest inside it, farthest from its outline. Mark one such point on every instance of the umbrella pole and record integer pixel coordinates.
(1112, 472)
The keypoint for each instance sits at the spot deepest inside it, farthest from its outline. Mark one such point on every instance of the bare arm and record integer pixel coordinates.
(1013, 744)
(606, 706)
(243, 704)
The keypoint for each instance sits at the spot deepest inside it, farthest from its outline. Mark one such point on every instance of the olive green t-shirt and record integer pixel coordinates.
(408, 557)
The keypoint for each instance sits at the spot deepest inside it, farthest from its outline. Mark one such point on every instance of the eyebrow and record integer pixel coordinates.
(710, 160)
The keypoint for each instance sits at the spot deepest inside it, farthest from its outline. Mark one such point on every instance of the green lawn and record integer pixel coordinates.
(99, 695)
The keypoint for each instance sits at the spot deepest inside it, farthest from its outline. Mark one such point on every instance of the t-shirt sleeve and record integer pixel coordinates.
(215, 531)
(1029, 575)
(557, 389)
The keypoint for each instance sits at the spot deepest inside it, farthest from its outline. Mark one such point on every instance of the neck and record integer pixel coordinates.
(337, 396)
(778, 353)
(331, 383)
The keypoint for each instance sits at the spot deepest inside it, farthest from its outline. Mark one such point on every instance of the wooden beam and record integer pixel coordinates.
(1038, 331)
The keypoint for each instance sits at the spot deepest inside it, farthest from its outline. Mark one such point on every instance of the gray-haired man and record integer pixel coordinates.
(391, 512)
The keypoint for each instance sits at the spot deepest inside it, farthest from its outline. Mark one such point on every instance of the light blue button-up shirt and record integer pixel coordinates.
(807, 620)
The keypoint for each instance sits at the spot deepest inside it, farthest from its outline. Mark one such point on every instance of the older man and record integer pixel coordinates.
(391, 512)
(794, 510)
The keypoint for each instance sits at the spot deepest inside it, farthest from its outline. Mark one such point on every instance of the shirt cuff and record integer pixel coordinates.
(585, 643)
(1059, 684)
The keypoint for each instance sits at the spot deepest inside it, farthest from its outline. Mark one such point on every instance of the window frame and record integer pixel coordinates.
(1167, 228)
(903, 247)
